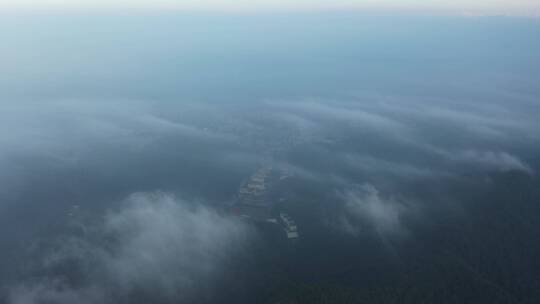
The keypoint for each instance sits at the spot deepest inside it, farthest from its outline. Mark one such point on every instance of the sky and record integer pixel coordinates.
(509, 7)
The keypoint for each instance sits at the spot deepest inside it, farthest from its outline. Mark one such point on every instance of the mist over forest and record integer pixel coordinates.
(406, 148)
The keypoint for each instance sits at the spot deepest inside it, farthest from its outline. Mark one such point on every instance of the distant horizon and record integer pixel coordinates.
(535, 15)
(520, 8)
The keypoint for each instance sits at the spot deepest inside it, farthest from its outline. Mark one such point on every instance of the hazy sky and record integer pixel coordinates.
(529, 7)
(407, 149)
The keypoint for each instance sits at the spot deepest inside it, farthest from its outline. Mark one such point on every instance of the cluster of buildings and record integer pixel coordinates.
(253, 199)
(289, 226)
(255, 204)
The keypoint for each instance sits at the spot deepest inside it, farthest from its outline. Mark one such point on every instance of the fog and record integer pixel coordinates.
(154, 243)
(410, 146)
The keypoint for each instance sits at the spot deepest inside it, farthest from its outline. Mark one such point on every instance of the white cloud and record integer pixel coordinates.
(68, 134)
(365, 207)
(488, 160)
(156, 243)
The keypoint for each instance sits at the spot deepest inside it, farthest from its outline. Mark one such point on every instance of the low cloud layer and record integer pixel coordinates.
(155, 245)
(499, 161)
(366, 209)
(429, 128)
